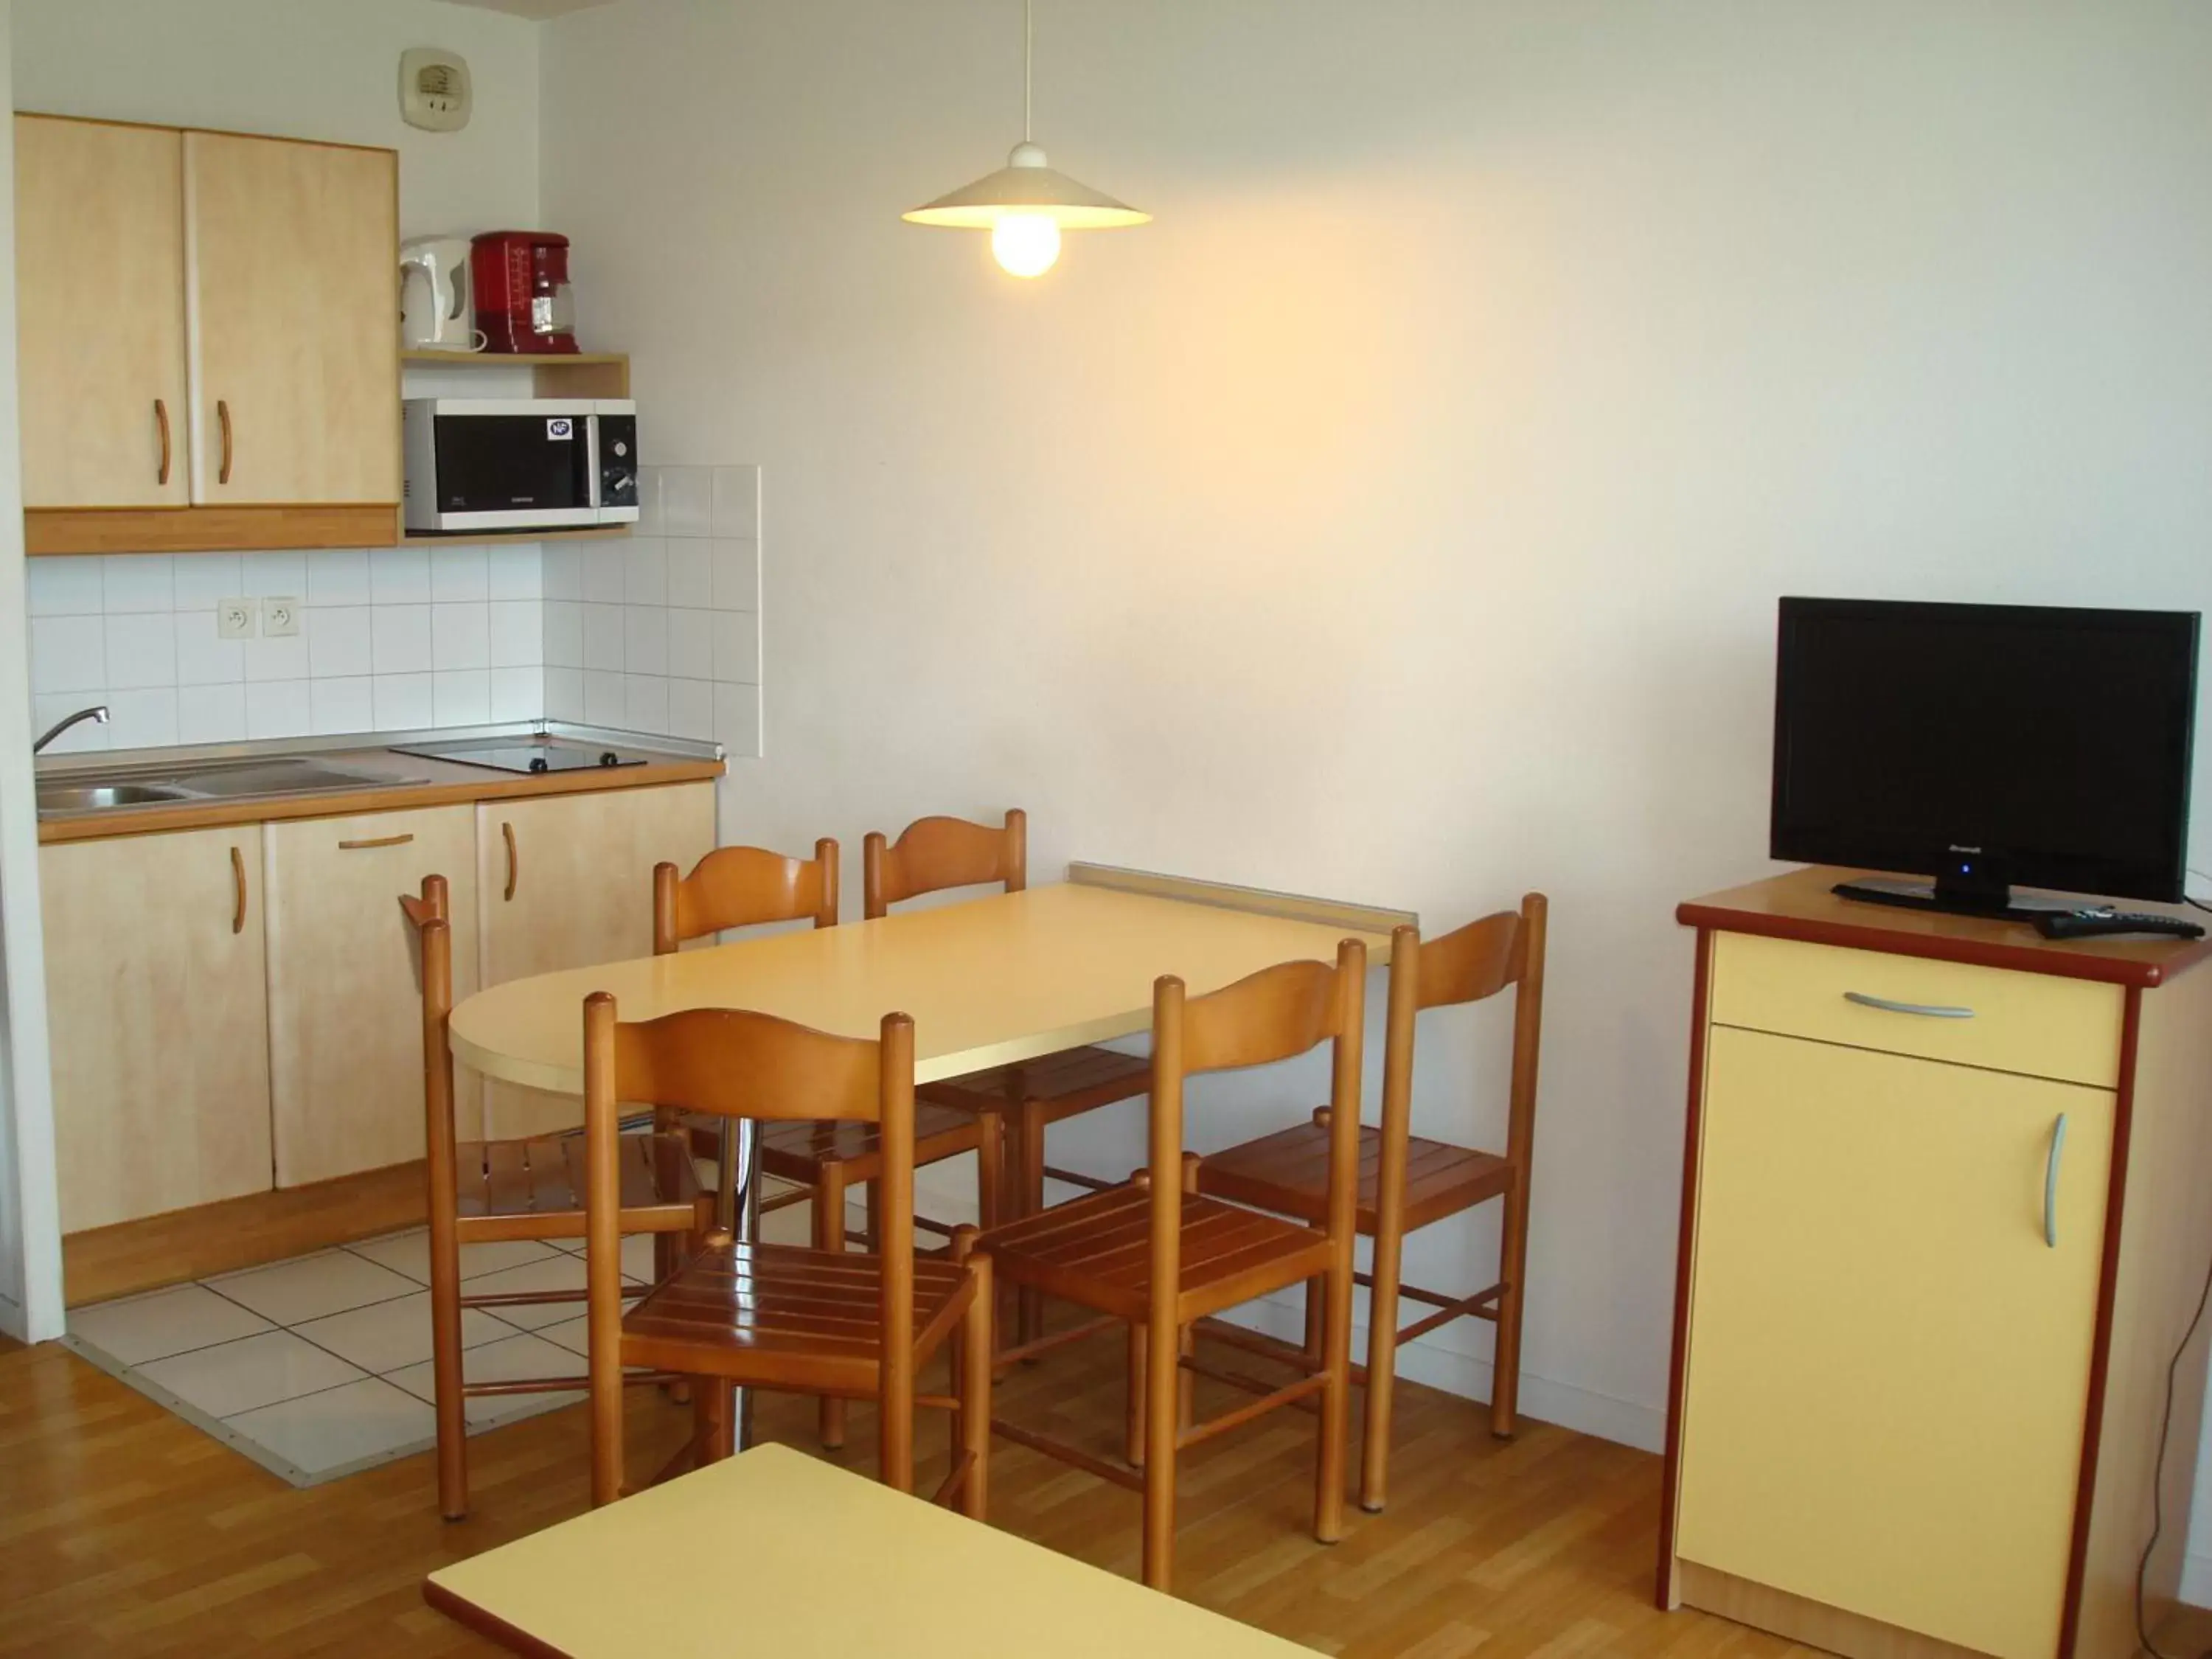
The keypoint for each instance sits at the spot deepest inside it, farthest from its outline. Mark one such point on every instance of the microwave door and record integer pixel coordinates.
(512, 471)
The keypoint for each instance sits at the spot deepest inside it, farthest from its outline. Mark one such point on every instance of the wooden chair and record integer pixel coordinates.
(747, 886)
(935, 853)
(769, 1315)
(1156, 1255)
(483, 1191)
(1407, 1181)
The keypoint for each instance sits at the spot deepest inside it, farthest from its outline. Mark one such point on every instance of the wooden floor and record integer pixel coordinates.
(123, 1530)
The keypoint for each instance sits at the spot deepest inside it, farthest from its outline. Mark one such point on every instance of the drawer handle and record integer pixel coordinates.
(1925, 1009)
(222, 419)
(513, 864)
(161, 422)
(2051, 1183)
(238, 890)
(381, 841)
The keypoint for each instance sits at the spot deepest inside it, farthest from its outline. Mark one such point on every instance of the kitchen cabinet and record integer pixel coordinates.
(101, 356)
(209, 351)
(563, 881)
(345, 1008)
(156, 989)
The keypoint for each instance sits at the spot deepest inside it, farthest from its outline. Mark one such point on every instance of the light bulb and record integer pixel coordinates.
(1025, 244)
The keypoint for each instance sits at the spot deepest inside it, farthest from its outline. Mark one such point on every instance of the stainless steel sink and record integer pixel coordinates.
(240, 780)
(91, 797)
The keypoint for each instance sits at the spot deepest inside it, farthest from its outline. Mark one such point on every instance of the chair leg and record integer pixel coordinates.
(1505, 1372)
(1161, 1372)
(1316, 1298)
(872, 1232)
(446, 1369)
(972, 1361)
(990, 1168)
(1030, 1146)
(713, 1419)
(1132, 1451)
(1335, 1404)
(829, 1235)
(1381, 1374)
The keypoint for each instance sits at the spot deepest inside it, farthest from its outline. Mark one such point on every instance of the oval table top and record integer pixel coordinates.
(988, 981)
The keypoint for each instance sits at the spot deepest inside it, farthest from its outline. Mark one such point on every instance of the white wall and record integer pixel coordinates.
(1402, 516)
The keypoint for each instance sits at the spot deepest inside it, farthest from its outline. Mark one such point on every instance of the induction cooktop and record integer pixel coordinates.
(504, 754)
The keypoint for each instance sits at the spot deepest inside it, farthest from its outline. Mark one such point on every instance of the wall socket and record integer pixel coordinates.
(280, 617)
(234, 619)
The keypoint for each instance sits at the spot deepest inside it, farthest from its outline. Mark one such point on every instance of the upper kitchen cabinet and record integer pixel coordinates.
(100, 286)
(205, 322)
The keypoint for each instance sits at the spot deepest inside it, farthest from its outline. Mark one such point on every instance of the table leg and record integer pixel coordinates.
(736, 1211)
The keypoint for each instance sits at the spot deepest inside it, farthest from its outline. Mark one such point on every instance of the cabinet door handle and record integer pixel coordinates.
(222, 419)
(1925, 1009)
(161, 424)
(381, 841)
(238, 890)
(2051, 1181)
(513, 864)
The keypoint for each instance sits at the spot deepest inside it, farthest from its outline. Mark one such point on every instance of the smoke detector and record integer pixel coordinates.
(434, 89)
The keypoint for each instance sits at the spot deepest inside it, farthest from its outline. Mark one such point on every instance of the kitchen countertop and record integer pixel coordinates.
(415, 780)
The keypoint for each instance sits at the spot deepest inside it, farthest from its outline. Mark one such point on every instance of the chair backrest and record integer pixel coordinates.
(742, 887)
(1289, 1009)
(431, 915)
(732, 1063)
(932, 854)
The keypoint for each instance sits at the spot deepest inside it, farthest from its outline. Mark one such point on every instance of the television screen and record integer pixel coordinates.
(1986, 745)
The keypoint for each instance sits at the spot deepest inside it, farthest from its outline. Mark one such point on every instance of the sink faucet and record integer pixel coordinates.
(97, 712)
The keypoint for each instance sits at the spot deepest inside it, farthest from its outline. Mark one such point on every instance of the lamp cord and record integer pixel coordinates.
(1028, 63)
(2158, 1469)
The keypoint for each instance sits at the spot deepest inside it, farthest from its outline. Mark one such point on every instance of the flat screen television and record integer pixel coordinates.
(1984, 745)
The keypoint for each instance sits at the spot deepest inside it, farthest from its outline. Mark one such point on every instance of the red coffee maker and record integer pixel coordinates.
(523, 301)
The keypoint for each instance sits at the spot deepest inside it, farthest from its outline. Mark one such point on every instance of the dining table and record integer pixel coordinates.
(987, 980)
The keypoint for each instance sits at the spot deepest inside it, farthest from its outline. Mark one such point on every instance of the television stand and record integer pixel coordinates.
(1954, 898)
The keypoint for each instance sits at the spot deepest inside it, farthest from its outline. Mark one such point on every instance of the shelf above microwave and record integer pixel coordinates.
(552, 374)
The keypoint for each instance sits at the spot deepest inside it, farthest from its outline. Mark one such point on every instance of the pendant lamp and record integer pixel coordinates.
(1025, 205)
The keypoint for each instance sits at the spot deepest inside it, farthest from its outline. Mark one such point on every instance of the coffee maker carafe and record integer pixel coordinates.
(523, 301)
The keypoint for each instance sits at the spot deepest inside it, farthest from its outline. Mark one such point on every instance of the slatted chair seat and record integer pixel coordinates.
(795, 1149)
(1060, 1085)
(1287, 1172)
(541, 1181)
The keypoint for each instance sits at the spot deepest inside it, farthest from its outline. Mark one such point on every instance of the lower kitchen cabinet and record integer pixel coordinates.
(345, 1009)
(157, 997)
(563, 881)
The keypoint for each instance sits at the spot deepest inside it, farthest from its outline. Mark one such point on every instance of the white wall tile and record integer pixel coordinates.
(645, 639)
(143, 718)
(692, 644)
(605, 577)
(63, 587)
(737, 576)
(210, 714)
(687, 502)
(204, 657)
(272, 575)
(738, 718)
(645, 571)
(736, 502)
(68, 654)
(690, 574)
(564, 694)
(399, 576)
(648, 500)
(340, 641)
(602, 637)
(205, 580)
(55, 707)
(737, 647)
(461, 697)
(136, 581)
(142, 651)
(691, 709)
(400, 639)
(284, 658)
(514, 570)
(338, 575)
(564, 634)
(458, 572)
(342, 705)
(603, 701)
(645, 703)
(460, 635)
(277, 708)
(405, 703)
(564, 571)
(518, 632)
(518, 694)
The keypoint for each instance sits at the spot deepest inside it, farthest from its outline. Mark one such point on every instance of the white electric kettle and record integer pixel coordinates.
(437, 311)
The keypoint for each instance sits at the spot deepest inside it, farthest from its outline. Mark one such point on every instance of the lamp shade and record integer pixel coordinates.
(1026, 187)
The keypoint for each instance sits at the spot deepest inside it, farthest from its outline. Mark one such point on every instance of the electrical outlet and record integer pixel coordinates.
(234, 620)
(280, 618)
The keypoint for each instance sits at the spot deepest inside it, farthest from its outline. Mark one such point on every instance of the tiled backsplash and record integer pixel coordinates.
(658, 632)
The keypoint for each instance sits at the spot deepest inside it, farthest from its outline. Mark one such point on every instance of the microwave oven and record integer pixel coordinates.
(508, 463)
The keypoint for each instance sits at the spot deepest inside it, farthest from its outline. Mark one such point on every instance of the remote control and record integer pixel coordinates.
(2093, 924)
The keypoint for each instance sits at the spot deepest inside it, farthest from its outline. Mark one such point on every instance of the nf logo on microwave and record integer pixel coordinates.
(560, 429)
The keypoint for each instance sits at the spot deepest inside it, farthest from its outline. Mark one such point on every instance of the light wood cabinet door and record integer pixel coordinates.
(292, 252)
(564, 881)
(100, 314)
(157, 1014)
(345, 999)
(1888, 1365)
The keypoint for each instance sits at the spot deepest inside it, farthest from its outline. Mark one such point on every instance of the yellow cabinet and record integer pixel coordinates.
(345, 1008)
(157, 1016)
(1890, 1336)
(563, 881)
(99, 299)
